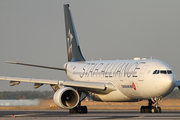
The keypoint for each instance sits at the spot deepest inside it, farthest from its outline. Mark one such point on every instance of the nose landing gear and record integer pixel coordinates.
(150, 108)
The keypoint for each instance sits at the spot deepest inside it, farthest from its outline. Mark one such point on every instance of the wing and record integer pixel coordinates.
(96, 87)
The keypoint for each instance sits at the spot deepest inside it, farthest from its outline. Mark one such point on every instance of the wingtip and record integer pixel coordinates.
(11, 62)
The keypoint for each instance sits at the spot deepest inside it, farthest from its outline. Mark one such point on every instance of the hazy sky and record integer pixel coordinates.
(33, 31)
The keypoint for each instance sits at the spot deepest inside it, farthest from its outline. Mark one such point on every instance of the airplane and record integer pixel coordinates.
(110, 80)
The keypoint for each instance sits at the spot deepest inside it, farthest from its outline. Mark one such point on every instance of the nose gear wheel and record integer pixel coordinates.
(150, 108)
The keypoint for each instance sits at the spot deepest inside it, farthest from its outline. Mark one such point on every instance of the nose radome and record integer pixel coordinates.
(169, 81)
(168, 85)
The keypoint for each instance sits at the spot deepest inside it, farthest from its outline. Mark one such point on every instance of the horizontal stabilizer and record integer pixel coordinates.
(178, 83)
(11, 62)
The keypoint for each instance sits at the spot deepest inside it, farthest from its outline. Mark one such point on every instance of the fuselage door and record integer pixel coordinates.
(142, 72)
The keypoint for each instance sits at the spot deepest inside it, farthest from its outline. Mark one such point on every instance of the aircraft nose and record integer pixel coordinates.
(168, 84)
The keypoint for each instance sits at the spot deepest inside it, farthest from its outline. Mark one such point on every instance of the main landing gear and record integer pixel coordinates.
(150, 108)
(79, 108)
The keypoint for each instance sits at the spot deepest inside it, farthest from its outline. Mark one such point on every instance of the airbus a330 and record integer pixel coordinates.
(111, 81)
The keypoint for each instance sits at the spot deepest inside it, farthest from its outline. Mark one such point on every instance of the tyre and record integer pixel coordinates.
(74, 110)
(153, 110)
(147, 109)
(158, 109)
(142, 110)
(84, 109)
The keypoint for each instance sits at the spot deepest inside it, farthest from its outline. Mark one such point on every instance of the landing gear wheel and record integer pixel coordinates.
(147, 109)
(79, 109)
(150, 108)
(83, 109)
(158, 110)
(153, 109)
(142, 109)
(74, 110)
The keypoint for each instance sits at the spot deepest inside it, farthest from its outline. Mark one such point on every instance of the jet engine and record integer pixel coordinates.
(66, 98)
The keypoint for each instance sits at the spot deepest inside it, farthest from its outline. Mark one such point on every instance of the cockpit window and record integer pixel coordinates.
(155, 72)
(162, 72)
(169, 71)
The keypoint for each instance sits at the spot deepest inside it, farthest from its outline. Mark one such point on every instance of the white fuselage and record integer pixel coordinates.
(134, 79)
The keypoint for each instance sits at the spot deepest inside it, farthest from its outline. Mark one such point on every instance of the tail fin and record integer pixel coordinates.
(73, 48)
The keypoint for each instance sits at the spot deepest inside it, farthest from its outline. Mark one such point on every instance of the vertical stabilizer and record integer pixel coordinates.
(73, 48)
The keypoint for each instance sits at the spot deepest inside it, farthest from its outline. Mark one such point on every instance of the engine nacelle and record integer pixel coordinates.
(66, 98)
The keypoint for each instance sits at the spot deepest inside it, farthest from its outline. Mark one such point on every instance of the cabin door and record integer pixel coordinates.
(142, 72)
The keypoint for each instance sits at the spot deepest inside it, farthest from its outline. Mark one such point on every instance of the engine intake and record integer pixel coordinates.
(66, 98)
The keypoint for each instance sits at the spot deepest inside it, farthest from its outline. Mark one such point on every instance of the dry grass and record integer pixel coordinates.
(169, 104)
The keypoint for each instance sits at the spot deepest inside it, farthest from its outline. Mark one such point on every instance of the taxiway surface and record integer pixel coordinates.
(92, 115)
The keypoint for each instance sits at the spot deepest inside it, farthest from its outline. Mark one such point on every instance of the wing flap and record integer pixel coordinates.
(97, 87)
(80, 84)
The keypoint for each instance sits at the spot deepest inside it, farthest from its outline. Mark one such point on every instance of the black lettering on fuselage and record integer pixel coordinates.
(93, 65)
(96, 70)
(120, 70)
(87, 71)
(130, 72)
(84, 70)
(109, 70)
(115, 71)
(125, 69)
(103, 71)
(137, 68)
